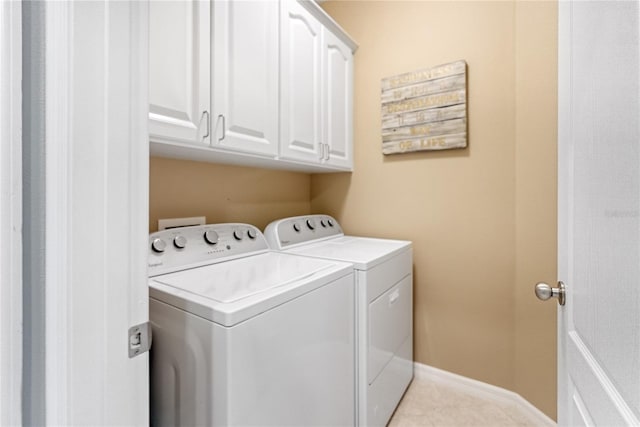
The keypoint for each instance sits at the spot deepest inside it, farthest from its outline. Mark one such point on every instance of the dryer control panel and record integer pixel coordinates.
(288, 232)
(187, 247)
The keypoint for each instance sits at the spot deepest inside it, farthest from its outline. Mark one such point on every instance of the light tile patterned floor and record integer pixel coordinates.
(436, 405)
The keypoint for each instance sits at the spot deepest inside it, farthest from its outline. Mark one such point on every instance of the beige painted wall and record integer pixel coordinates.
(222, 193)
(536, 200)
(482, 219)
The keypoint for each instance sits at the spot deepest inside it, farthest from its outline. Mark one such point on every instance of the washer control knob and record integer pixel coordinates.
(237, 235)
(180, 242)
(211, 237)
(251, 233)
(158, 245)
(296, 227)
(330, 222)
(323, 223)
(311, 224)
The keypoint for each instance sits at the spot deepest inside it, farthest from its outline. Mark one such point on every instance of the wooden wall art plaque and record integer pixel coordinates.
(425, 110)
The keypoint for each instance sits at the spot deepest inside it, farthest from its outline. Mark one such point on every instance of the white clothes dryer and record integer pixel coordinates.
(384, 298)
(246, 336)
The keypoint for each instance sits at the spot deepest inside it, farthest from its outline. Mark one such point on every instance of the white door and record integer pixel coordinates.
(301, 83)
(599, 213)
(338, 105)
(179, 71)
(245, 76)
(95, 140)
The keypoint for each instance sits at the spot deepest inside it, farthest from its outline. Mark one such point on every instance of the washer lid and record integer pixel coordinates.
(363, 252)
(230, 292)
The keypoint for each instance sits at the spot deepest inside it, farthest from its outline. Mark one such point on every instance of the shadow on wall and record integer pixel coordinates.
(434, 154)
(224, 193)
(330, 193)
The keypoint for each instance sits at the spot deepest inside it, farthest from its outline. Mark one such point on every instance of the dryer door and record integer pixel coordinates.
(390, 319)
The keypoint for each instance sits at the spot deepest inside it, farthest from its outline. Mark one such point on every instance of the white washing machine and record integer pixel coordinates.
(384, 295)
(247, 336)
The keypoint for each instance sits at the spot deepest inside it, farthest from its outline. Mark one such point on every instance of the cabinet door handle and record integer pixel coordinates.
(328, 151)
(394, 296)
(205, 112)
(224, 127)
(321, 150)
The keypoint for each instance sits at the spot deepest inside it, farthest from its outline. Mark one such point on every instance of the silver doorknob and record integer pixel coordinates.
(544, 292)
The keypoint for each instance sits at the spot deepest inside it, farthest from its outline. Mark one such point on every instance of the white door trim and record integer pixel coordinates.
(58, 140)
(10, 213)
(96, 214)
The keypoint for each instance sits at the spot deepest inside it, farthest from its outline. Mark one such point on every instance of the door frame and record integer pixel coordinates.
(58, 31)
(95, 197)
(11, 213)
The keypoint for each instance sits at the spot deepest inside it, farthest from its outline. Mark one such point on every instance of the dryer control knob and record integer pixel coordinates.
(330, 223)
(237, 235)
(311, 224)
(251, 233)
(180, 242)
(323, 223)
(296, 227)
(158, 245)
(211, 237)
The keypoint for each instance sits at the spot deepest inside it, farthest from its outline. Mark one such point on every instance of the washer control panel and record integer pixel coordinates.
(287, 232)
(185, 247)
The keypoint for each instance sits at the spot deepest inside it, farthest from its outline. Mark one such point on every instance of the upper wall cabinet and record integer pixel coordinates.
(301, 81)
(316, 70)
(338, 101)
(245, 76)
(179, 71)
(280, 75)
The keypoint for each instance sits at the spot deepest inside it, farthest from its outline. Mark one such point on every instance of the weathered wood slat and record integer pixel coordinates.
(454, 126)
(424, 116)
(425, 110)
(426, 102)
(431, 87)
(442, 142)
(419, 76)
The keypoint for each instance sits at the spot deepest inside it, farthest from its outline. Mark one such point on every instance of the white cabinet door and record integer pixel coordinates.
(599, 213)
(245, 76)
(179, 71)
(301, 81)
(338, 104)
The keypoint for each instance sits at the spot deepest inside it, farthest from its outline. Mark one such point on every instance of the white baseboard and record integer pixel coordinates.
(482, 390)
